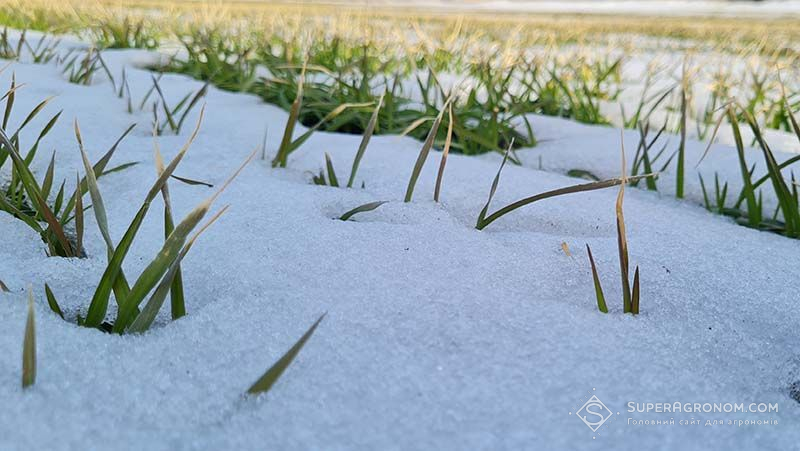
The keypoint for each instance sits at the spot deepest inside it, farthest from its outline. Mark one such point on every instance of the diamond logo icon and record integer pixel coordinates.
(594, 413)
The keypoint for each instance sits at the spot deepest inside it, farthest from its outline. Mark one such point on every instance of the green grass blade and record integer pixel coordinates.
(598, 289)
(177, 299)
(423, 156)
(52, 302)
(362, 148)
(29, 346)
(361, 209)
(635, 294)
(99, 305)
(482, 224)
(145, 318)
(445, 152)
(332, 180)
(268, 379)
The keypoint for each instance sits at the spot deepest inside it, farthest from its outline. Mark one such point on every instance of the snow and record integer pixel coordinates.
(438, 336)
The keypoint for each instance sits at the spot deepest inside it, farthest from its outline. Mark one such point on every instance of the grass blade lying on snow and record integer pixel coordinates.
(29, 346)
(265, 382)
(361, 209)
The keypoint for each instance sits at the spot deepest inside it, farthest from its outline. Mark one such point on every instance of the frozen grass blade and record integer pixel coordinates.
(52, 302)
(445, 151)
(423, 155)
(265, 382)
(598, 289)
(361, 209)
(29, 346)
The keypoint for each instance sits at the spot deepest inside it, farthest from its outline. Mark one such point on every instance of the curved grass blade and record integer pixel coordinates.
(266, 381)
(361, 209)
(482, 224)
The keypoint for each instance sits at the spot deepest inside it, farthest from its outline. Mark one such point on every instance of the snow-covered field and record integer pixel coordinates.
(438, 336)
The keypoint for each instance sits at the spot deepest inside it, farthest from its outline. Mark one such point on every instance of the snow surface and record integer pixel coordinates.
(438, 336)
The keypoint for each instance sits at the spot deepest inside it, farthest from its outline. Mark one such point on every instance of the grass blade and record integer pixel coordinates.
(52, 302)
(266, 381)
(635, 295)
(177, 299)
(362, 148)
(99, 305)
(29, 346)
(332, 180)
(622, 242)
(598, 289)
(445, 151)
(361, 209)
(483, 223)
(145, 318)
(423, 155)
